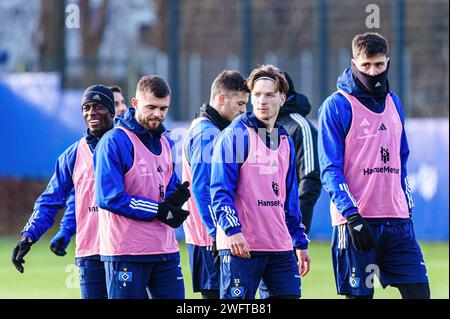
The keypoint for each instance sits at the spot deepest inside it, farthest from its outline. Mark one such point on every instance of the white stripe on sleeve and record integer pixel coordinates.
(307, 142)
(144, 206)
(232, 220)
(30, 220)
(408, 193)
(344, 187)
(213, 216)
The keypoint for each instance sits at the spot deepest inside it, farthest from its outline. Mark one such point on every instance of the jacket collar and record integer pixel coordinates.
(211, 113)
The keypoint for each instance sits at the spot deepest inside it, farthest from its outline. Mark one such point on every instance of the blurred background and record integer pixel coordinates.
(51, 50)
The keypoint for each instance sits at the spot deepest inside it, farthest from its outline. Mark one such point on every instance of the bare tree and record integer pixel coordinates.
(159, 30)
(51, 39)
(93, 22)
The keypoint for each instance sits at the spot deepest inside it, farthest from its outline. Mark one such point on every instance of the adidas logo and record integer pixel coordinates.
(382, 127)
(358, 228)
(274, 164)
(378, 85)
(170, 215)
(141, 162)
(96, 97)
(364, 122)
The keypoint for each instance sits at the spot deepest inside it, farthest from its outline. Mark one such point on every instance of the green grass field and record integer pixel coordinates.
(49, 276)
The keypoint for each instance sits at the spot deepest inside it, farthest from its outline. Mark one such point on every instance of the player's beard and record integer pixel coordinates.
(149, 123)
(153, 126)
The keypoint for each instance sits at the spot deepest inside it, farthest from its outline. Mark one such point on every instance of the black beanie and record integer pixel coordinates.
(100, 94)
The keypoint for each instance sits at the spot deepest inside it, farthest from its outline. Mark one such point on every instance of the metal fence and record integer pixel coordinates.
(190, 41)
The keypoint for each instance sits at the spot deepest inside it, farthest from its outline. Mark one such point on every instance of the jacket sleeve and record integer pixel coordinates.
(54, 196)
(200, 146)
(292, 210)
(404, 155)
(331, 147)
(174, 178)
(227, 156)
(68, 221)
(309, 184)
(112, 159)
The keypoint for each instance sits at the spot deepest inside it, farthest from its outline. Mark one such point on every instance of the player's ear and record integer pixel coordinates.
(221, 97)
(283, 99)
(134, 102)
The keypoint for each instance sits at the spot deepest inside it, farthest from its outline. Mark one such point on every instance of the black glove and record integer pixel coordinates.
(360, 232)
(59, 243)
(57, 247)
(21, 249)
(171, 215)
(179, 196)
(215, 252)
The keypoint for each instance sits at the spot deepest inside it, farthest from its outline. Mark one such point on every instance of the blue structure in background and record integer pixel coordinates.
(40, 121)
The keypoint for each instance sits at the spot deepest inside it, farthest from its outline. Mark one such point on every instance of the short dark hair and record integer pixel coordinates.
(153, 84)
(369, 44)
(116, 88)
(229, 81)
(269, 71)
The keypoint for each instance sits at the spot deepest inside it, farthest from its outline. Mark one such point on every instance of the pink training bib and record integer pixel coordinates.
(194, 230)
(148, 178)
(372, 165)
(260, 196)
(86, 208)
